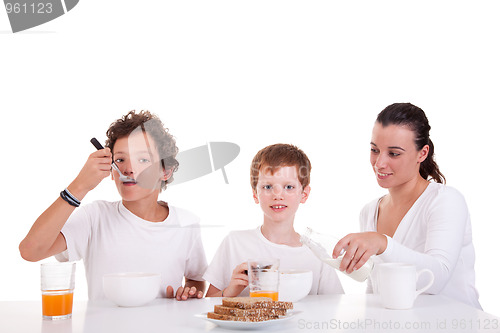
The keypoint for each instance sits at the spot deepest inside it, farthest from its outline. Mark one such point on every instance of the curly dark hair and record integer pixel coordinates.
(151, 124)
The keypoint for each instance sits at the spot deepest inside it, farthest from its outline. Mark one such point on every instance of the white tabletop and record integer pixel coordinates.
(334, 313)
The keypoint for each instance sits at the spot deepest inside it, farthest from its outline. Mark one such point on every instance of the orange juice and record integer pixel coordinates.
(57, 303)
(262, 293)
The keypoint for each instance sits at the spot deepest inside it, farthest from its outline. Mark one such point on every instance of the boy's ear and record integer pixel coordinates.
(255, 197)
(305, 193)
(167, 174)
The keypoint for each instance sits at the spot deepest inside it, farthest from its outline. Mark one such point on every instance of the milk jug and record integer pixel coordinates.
(322, 246)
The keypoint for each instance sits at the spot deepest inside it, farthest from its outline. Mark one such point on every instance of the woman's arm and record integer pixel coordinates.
(444, 239)
(445, 223)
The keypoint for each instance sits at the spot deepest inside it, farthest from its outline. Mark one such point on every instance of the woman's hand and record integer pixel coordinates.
(239, 281)
(359, 247)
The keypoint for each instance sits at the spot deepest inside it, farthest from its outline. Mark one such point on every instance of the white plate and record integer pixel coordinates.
(244, 325)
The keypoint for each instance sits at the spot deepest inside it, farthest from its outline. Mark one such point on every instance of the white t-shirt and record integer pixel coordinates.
(110, 239)
(435, 234)
(239, 246)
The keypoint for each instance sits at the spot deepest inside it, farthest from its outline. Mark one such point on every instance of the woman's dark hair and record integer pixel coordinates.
(150, 123)
(413, 117)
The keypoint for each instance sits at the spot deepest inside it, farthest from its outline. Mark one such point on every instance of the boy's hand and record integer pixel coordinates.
(183, 293)
(239, 281)
(97, 167)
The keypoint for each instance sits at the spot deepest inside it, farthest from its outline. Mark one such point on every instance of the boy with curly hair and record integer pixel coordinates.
(138, 233)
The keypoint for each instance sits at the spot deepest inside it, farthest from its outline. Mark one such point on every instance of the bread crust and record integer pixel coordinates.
(255, 302)
(255, 318)
(226, 310)
(249, 309)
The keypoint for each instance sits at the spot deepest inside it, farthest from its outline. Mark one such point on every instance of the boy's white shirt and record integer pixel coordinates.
(239, 246)
(111, 239)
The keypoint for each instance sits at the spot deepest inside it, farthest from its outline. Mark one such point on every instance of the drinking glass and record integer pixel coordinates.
(263, 278)
(57, 284)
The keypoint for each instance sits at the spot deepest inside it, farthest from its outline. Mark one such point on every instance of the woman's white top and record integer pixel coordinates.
(435, 234)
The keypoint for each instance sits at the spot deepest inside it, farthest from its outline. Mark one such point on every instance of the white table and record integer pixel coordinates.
(334, 313)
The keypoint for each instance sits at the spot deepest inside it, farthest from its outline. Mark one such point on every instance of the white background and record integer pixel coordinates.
(311, 73)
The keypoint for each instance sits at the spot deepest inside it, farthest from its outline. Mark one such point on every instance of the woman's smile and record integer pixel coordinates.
(381, 175)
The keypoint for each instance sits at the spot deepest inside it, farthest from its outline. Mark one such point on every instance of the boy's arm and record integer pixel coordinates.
(44, 238)
(238, 282)
(214, 292)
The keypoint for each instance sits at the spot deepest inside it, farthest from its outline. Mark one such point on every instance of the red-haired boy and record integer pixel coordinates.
(279, 177)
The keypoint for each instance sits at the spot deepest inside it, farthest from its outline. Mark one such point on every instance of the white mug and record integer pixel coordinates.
(397, 284)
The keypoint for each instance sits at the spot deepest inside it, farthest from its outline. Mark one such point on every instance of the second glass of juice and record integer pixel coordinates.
(263, 278)
(58, 283)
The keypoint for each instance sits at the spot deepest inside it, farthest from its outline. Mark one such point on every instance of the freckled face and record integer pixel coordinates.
(394, 156)
(280, 194)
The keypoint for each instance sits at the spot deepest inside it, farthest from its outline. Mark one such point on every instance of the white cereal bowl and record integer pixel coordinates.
(295, 284)
(131, 289)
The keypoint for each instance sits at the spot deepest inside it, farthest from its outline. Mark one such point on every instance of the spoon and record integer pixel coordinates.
(123, 178)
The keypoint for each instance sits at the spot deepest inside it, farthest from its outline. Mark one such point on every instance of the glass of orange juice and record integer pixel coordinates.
(263, 278)
(58, 283)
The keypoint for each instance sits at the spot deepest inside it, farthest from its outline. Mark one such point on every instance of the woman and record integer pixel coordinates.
(419, 221)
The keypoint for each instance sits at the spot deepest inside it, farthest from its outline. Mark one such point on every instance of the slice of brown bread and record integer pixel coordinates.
(254, 318)
(255, 302)
(225, 310)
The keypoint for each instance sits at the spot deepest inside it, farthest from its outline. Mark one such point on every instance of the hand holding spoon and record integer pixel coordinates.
(123, 178)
